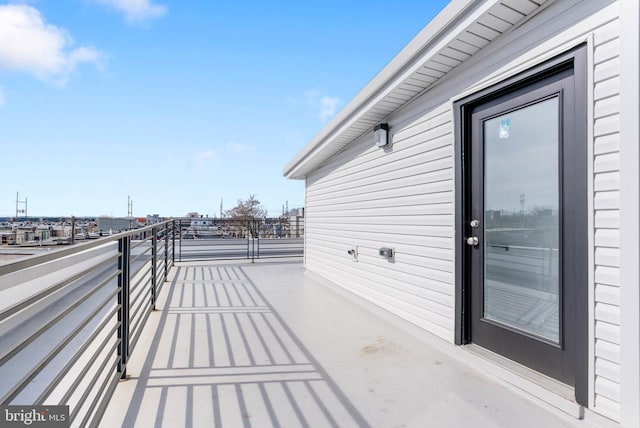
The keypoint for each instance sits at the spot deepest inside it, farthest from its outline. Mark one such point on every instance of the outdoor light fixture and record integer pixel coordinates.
(386, 252)
(381, 134)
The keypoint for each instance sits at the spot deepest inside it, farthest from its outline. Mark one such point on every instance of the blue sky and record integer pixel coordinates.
(178, 104)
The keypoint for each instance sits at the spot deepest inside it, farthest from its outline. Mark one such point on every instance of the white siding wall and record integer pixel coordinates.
(403, 198)
(606, 186)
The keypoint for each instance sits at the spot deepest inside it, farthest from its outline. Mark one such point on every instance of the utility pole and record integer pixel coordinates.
(19, 203)
(221, 200)
(129, 210)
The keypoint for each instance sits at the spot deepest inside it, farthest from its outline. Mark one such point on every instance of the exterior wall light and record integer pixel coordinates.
(386, 252)
(381, 134)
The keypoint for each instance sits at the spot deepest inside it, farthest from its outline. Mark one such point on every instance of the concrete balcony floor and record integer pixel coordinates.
(264, 344)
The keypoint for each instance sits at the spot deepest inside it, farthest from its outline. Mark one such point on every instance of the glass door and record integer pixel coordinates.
(521, 301)
(521, 220)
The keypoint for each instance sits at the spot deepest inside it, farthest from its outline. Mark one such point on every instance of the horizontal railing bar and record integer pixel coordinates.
(161, 285)
(13, 392)
(50, 290)
(136, 303)
(135, 243)
(94, 357)
(161, 280)
(63, 314)
(83, 398)
(237, 248)
(142, 285)
(100, 410)
(139, 283)
(110, 354)
(141, 255)
(142, 271)
(144, 304)
(142, 276)
(520, 247)
(76, 356)
(138, 332)
(76, 248)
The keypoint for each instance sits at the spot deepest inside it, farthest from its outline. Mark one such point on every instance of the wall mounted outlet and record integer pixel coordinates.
(353, 252)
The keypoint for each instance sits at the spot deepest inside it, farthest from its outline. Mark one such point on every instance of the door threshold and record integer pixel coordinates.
(532, 383)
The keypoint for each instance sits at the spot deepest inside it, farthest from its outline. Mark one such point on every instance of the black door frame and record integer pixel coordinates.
(576, 59)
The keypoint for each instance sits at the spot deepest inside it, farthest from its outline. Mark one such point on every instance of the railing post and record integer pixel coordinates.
(180, 243)
(154, 266)
(173, 240)
(124, 249)
(166, 251)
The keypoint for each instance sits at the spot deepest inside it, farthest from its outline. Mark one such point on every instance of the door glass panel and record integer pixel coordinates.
(521, 219)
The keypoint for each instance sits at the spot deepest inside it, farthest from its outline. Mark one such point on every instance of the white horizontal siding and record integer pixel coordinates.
(606, 186)
(608, 370)
(607, 221)
(400, 198)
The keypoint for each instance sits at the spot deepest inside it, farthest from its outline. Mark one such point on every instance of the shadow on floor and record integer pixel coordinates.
(222, 356)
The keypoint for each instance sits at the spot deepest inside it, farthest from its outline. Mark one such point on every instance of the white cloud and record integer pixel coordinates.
(136, 11)
(324, 105)
(328, 107)
(28, 44)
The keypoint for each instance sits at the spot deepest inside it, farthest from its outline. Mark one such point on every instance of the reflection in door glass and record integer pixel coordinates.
(521, 219)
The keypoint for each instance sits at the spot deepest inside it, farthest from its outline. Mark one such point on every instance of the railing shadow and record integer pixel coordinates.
(222, 356)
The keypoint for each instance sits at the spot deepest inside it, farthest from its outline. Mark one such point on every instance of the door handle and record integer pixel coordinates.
(472, 241)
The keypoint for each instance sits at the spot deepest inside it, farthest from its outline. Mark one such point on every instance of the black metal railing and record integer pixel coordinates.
(227, 239)
(70, 319)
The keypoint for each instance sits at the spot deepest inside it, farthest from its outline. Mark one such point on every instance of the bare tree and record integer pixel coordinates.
(249, 213)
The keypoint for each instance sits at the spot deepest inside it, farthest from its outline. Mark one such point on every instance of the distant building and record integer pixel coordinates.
(296, 224)
(202, 222)
(43, 232)
(7, 237)
(109, 225)
(153, 219)
(25, 234)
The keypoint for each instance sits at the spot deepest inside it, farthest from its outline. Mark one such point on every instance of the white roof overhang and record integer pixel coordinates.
(460, 30)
